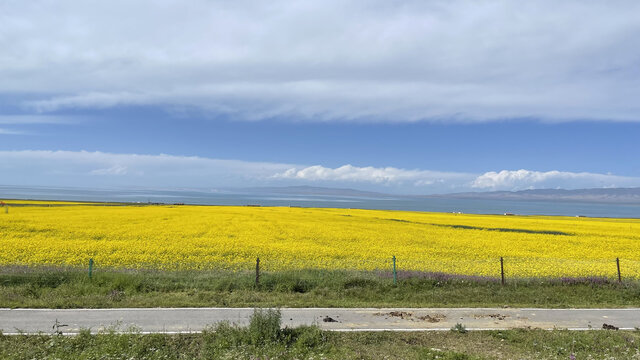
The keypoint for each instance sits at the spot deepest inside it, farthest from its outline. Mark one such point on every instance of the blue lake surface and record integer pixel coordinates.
(472, 206)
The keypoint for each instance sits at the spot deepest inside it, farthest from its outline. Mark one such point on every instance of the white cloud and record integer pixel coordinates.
(10, 132)
(526, 179)
(329, 60)
(82, 168)
(114, 170)
(21, 122)
(35, 119)
(386, 175)
(99, 169)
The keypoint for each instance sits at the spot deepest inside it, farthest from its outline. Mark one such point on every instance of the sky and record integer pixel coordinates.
(414, 97)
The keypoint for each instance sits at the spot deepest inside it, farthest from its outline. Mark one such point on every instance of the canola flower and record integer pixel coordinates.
(228, 237)
(51, 202)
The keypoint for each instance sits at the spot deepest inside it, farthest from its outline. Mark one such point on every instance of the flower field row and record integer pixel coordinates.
(214, 237)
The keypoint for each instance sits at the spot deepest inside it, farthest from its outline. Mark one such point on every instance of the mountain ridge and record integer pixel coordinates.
(608, 195)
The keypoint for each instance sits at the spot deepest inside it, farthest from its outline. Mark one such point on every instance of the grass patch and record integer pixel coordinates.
(71, 288)
(524, 231)
(264, 341)
(263, 337)
(469, 227)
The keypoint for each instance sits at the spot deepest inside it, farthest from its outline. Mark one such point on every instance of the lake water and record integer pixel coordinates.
(472, 206)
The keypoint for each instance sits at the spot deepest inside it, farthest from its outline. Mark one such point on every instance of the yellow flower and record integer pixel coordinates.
(227, 237)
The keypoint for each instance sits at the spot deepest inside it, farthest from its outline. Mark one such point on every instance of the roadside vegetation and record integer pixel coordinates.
(265, 339)
(27, 287)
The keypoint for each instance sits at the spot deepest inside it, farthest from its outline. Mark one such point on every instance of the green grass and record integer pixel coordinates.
(228, 342)
(71, 288)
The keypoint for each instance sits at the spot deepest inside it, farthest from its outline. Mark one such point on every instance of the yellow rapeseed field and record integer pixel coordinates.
(226, 237)
(49, 202)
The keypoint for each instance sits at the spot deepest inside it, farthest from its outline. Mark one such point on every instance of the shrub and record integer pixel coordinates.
(459, 328)
(264, 326)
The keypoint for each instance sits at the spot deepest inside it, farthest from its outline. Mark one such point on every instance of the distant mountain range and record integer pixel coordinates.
(600, 195)
(612, 195)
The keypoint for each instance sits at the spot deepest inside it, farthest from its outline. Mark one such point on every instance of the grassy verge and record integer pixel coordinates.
(69, 288)
(264, 338)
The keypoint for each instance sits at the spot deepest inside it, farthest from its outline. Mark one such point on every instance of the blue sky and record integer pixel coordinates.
(402, 97)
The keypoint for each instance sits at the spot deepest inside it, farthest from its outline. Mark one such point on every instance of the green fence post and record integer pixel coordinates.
(90, 268)
(395, 273)
(502, 269)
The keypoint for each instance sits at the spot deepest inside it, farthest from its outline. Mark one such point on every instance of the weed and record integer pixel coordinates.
(264, 326)
(459, 328)
(70, 288)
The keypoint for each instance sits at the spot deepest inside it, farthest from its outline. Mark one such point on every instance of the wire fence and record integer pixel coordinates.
(500, 269)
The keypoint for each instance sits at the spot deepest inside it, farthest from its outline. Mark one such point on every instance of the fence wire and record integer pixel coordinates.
(489, 268)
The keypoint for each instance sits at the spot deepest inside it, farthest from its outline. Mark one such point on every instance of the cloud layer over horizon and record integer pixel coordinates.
(327, 61)
(99, 169)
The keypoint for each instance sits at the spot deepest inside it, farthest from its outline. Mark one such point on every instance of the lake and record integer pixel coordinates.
(201, 197)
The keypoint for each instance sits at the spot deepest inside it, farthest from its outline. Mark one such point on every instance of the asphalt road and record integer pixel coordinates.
(179, 320)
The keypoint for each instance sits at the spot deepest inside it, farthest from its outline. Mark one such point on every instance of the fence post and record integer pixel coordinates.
(502, 269)
(257, 271)
(6, 209)
(618, 266)
(395, 273)
(90, 268)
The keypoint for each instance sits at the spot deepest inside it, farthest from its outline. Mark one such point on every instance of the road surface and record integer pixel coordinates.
(183, 320)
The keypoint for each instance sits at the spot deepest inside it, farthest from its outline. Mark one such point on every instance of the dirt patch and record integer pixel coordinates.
(432, 318)
(116, 295)
(401, 314)
(492, 316)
